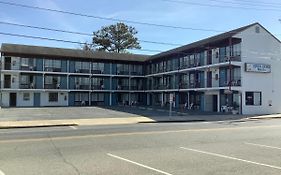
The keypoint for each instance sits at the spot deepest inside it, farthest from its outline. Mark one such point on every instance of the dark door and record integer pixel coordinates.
(13, 99)
(215, 103)
(7, 81)
(209, 79)
(7, 63)
(36, 100)
(209, 57)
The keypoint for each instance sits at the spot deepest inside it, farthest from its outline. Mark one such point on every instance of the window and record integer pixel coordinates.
(26, 96)
(24, 79)
(53, 97)
(24, 61)
(253, 98)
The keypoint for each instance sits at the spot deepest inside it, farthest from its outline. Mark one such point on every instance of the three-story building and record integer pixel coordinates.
(235, 71)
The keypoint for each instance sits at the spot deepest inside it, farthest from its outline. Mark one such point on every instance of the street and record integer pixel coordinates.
(228, 147)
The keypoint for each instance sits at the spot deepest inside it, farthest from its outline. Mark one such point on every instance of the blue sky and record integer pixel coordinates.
(151, 11)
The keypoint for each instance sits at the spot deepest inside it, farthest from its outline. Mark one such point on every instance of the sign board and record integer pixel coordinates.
(257, 67)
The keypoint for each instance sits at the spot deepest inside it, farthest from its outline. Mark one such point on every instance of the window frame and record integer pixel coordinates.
(252, 103)
(53, 97)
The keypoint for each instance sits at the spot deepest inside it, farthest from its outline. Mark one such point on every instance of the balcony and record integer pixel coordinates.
(52, 86)
(233, 58)
(52, 69)
(82, 87)
(137, 88)
(233, 82)
(7, 84)
(120, 87)
(136, 73)
(86, 71)
(27, 86)
(28, 67)
(98, 87)
(183, 85)
(97, 71)
(122, 72)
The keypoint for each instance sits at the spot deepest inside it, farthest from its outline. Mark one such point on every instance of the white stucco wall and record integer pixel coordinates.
(21, 102)
(5, 99)
(15, 63)
(261, 48)
(44, 100)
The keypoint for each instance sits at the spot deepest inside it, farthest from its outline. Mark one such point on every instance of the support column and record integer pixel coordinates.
(188, 100)
(218, 99)
(90, 102)
(110, 99)
(162, 99)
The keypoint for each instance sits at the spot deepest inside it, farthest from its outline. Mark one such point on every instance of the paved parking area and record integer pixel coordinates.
(52, 113)
(57, 113)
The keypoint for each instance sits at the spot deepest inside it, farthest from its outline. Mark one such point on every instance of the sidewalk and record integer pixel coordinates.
(72, 122)
(271, 116)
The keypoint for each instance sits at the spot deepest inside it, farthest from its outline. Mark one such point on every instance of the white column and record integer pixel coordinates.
(147, 99)
(110, 99)
(162, 99)
(188, 99)
(218, 98)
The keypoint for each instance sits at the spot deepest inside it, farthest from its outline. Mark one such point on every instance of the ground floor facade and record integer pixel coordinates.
(211, 101)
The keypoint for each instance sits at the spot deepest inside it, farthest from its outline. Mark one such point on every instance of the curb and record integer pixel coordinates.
(38, 126)
(263, 118)
(172, 121)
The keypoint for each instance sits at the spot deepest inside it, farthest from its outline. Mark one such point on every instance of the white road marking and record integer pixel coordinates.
(144, 166)
(232, 158)
(73, 127)
(1, 173)
(266, 146)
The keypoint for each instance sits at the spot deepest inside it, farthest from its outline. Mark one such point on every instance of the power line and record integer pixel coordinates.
(221, 6)
(105, 18)
(64, 41)
(260, 2)
(247, 3)
(78, 33)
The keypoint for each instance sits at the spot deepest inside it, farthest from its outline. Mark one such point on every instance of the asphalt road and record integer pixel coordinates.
(251, 147)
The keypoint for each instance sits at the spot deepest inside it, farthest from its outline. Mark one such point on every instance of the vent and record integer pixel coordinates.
(257, 29)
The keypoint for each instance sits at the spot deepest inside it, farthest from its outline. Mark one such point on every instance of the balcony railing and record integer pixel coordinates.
(82, 87)
(97, 71)
(98, 87)
(122, 72)
(27, 86)
(120, 87)
(52, 86)
(52, 69)
(232, 58)
(28, 68)
(136, 73)
(233, 82)
(137, 87)
(82, 70)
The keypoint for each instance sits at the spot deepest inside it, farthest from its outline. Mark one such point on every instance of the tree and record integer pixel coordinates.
(116, 38)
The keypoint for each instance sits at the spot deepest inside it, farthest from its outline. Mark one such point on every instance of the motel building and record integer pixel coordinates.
(236, 72)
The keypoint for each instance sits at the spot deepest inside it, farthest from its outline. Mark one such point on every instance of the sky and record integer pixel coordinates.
(202, 14)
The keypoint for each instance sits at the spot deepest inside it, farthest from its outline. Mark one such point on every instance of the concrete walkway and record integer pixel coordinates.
(73, 122)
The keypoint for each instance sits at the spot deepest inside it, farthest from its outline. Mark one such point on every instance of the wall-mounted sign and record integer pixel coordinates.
(257, 67)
